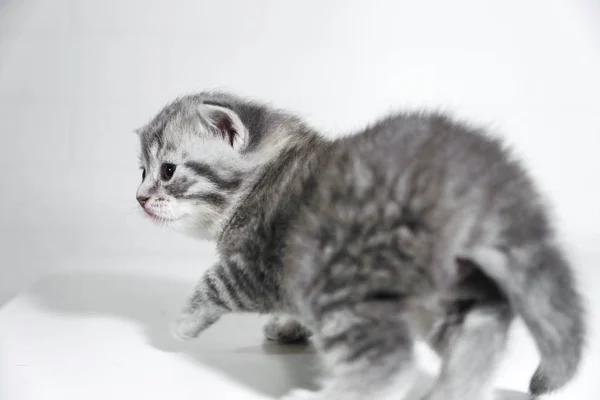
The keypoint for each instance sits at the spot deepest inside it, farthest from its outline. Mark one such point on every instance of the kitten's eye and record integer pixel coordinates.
(143, 174)
(167, 170)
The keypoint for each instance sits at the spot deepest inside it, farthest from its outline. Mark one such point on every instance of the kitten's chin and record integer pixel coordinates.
(160, 219)
(193, 229)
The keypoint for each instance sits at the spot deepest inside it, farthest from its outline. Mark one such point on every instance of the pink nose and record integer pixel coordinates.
(142, 200)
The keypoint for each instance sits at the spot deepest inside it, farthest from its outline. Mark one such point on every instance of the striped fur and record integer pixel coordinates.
(417, 227)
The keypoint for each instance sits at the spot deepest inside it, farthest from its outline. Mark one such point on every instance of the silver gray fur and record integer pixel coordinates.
(417, 227)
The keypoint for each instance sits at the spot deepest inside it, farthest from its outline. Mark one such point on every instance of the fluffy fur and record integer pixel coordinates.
(419, 227)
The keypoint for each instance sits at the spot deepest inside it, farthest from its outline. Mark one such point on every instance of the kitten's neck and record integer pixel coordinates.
(258, 163)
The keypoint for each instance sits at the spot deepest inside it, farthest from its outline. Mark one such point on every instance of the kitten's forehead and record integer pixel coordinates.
(179, 125)
(184, 107)
(167, 147)
(172, 131)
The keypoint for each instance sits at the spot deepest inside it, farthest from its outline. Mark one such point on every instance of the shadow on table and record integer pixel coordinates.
(233, 345)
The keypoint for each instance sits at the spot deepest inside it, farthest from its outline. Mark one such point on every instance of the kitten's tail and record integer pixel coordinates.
(541, 288)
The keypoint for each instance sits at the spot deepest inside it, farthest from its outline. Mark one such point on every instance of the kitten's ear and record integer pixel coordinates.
(227, 124)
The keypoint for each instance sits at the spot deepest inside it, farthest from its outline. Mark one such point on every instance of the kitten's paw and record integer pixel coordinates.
(301, 394)
(285, 329)
(189, 326)
(185, 329)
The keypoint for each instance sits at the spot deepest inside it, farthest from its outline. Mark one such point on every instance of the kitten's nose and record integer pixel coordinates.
(142, 200)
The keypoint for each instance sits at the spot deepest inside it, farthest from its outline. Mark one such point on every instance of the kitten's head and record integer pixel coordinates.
(195, 156)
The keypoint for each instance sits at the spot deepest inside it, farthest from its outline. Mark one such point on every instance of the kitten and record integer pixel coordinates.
(419, 227)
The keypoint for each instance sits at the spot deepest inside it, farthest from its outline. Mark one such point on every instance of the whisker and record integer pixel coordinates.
(134, 211)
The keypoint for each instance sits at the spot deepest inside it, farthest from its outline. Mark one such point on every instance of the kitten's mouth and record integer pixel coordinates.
(157, 218)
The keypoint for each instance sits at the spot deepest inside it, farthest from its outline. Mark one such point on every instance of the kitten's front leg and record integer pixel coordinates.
(218, 292)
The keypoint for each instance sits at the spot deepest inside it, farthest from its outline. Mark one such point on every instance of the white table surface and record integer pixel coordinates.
(104, 335)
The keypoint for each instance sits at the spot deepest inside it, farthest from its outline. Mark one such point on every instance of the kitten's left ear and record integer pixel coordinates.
(227, 123)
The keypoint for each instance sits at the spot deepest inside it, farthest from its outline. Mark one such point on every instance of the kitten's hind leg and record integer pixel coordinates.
(286, 329)
(471, 346)
(221, 290)
(367, 351)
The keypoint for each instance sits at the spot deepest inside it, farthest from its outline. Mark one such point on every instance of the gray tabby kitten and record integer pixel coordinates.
(419, 227)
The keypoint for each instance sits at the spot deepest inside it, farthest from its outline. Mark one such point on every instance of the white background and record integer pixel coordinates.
(77, 77)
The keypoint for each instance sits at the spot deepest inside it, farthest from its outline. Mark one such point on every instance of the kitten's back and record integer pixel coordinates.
(398, 203)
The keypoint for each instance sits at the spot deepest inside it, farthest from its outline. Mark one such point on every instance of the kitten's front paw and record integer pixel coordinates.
(285, 329)
(185, 329)
(189, 326)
